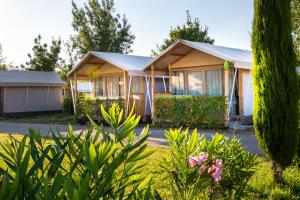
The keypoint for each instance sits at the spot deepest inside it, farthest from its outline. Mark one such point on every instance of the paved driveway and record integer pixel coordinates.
(157, 137)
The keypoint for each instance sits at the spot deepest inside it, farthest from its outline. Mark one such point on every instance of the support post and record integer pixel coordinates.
(231, 95)
(170, 78)
(94, 85)
(72, 93)
(128, 96)
(125, 85)
(75, 94)
(152, 89)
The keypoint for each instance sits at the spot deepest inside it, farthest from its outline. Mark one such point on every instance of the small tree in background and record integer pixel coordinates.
(191, 30)
(2, 59)
(275, 93)
(44, 58)
(98, 28)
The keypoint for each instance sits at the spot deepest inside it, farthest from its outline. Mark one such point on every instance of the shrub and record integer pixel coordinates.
(189, 111)
(218, 168)
(90, 107)
(68, 105)
(97, 164)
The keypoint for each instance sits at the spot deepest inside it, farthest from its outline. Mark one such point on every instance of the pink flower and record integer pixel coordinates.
(202, 169)
(193, 161)
(218, 163)
(203, 157)
(216, 170)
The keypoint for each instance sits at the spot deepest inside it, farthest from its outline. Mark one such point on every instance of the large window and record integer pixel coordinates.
(195, 83)
(109, 86)
(178, 83)
(136, 84)
(213, 82)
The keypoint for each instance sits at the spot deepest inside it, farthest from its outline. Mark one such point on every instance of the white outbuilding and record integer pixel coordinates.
(30, 91)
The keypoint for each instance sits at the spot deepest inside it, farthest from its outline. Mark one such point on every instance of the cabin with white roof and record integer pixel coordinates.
(117, 76)
(197, 69)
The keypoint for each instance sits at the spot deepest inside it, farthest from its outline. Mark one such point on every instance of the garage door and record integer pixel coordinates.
(37, 99)
(15, 99)
(55, 98)
(247, 94)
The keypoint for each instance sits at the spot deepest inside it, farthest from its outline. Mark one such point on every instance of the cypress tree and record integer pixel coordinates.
(275, 112)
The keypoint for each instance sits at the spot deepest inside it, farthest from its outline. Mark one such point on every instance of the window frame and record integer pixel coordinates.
(203, 76)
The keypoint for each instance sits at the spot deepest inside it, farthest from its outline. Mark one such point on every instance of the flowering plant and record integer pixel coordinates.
(198, 168)
(214, 169)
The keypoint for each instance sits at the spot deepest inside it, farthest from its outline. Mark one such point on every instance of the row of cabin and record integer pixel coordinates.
(185, 68)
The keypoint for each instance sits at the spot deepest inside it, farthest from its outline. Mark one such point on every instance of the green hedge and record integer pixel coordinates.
(68, 105)
(92, 108)
(189, 111)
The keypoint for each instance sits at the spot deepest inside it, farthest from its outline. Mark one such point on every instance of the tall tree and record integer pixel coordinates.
(99, 28)
(275, 93)
(2, 59)
(44, 58)
(296, 26)
(191, 30)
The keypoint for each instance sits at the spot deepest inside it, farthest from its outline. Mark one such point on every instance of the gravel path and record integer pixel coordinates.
(157, 137)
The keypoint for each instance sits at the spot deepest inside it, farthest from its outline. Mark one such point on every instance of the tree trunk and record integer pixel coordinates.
(277, 172)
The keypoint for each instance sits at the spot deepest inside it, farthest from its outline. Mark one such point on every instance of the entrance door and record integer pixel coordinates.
(247, 94)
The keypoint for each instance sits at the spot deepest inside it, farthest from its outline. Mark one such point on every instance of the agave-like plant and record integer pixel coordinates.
(101, 163)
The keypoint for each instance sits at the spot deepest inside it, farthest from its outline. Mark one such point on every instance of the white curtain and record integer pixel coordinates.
(178, 83)
(213, 82)
(195, 83)
(136, 84)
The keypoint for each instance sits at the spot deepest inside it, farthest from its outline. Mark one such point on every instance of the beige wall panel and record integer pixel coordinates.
(197, 58)
(108, 69)
(37, 99)
(15, 100)
(55, 98)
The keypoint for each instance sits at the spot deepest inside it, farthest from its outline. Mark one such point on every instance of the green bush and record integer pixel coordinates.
(91, 107)
(189, 111)
(78, 166)
(68, 105)
(191, 162)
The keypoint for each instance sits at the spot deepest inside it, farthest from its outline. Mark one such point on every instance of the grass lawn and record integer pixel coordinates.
(261, 184)
(44, 118)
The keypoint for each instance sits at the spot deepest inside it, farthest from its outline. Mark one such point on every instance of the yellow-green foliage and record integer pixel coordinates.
(90, 107)
(275, 83)
(189, 111)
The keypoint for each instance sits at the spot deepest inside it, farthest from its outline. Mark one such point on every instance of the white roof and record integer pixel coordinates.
(126, 62)
(240, 57)
(130, 63)
(30, 78)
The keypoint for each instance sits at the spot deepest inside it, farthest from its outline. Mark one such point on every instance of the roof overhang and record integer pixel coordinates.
(182, 48)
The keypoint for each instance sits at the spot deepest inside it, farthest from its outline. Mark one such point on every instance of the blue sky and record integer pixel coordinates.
(229, 22)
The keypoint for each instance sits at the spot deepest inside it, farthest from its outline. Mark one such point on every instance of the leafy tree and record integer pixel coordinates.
(191, 30)
(275, 95)
(2, 59)
(296, 26)
(44, 58)
(98, 28)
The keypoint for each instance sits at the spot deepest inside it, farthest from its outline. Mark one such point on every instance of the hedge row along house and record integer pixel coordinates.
(185, 68)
